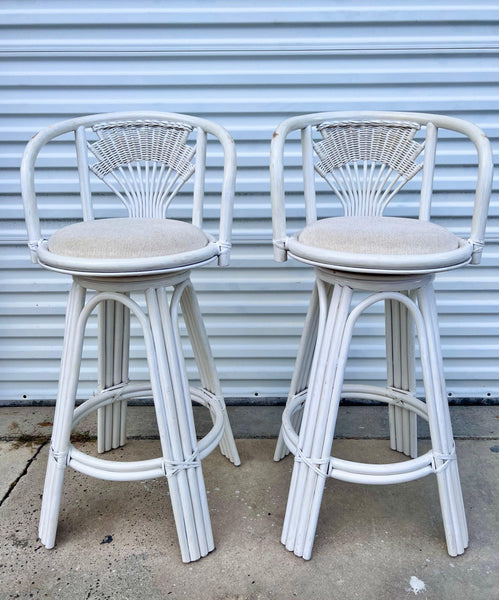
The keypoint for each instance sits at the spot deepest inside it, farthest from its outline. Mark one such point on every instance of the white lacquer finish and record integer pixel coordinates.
(144, 158)
(366, 158)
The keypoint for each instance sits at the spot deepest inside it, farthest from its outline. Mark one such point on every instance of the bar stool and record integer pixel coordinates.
(366, 158)
(144, 159)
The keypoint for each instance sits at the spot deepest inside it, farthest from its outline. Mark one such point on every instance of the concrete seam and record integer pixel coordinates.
(24, 472)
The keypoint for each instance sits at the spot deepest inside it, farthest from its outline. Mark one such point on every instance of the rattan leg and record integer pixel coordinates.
(113, 354)
(176, 427)
(317, 429)
(205, 363)
(302, 366)
(449, 486)
(400, 340)
(63, 417)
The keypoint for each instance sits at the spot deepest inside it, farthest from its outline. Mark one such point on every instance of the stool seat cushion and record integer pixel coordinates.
(129, 246)
(379, 235)
(126, 238)
(381, 244)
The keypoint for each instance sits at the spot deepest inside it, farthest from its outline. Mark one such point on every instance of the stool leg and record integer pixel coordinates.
(302, 367)
(317, 429)
(449, 486)
(176, 427)
(63, 417)
(400, 339)
(205, 363)
(113, 356)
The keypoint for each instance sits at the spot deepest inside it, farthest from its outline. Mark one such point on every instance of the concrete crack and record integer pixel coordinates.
(25, 470)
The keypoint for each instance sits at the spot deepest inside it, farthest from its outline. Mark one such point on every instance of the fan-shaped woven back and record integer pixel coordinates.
(145, 163)
(367, 162)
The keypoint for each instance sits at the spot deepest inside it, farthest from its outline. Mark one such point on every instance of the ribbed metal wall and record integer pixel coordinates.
(247, 65)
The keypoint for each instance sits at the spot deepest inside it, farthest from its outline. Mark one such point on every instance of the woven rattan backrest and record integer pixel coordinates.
(145, 163)
(366, 163)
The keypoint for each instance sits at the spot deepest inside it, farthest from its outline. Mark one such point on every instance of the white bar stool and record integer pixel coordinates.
(366, 158)
(145, 159)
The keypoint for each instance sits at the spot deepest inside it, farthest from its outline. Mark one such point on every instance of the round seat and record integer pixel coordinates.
(379, 244)
(126, 246)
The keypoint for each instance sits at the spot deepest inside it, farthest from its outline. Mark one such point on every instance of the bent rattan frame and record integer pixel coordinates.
(144, 158)
(202, 127)
(366, 158)
(432, 122)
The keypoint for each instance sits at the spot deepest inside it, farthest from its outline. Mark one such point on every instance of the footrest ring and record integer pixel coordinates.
(355, 472)
(144, 469)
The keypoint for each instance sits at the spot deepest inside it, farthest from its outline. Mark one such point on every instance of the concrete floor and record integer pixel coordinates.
(117, 540)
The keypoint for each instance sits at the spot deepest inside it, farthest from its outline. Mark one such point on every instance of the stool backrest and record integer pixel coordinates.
(367, 158)
(367, 162)
(145, 163)
(144, 158)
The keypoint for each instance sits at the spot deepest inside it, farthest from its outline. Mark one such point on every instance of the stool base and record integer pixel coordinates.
(181, 452)
(317, 388)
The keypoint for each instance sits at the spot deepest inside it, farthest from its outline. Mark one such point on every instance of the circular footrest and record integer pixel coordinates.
(144, 469)
(355, 472)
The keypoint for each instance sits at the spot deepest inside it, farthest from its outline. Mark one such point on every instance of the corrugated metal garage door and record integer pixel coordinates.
(247, 65)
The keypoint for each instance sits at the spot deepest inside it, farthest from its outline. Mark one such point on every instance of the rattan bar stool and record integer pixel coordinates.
(366, 158)
(139, 265)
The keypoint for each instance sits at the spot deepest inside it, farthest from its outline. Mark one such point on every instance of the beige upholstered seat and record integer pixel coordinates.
(379, 235)
(127, 238)
(125, 245)
(388, 241)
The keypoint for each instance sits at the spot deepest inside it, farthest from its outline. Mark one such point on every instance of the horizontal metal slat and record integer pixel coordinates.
(248, 66)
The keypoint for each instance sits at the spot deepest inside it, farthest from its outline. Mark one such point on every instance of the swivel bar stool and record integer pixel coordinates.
(366, 158)
(144, 159)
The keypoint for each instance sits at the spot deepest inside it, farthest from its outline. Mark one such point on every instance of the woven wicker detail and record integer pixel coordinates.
(367, 162)
(147, 122)
(145, 163)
